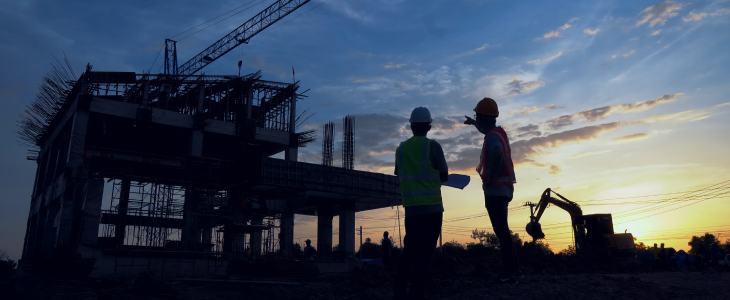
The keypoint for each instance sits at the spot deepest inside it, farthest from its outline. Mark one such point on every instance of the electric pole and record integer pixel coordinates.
(400, 240)
(359, 232)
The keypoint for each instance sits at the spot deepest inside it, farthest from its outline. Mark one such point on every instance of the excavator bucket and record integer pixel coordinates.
(534, 229)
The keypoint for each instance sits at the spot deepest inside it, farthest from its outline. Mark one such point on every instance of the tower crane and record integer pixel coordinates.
(241, 35)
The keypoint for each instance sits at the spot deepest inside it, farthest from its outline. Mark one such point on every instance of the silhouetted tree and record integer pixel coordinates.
(369, 250)
(491, 240)
(454, 248)
(7, 265)
(485, 238)
(705, 240)
(640, 245)
(570, 251)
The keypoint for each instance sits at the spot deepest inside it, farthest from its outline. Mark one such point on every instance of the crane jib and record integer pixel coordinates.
(241, 35)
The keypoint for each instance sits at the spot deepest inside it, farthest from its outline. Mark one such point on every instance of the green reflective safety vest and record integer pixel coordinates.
(420, 183)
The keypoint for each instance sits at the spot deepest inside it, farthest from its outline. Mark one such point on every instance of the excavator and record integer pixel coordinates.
(599, 238)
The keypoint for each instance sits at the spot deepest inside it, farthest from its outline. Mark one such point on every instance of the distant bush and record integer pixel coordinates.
(454, 248)
(478, 249)
(570, 251)
(7, 265)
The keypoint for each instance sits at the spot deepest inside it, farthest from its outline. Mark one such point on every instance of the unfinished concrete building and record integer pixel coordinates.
(193, 182)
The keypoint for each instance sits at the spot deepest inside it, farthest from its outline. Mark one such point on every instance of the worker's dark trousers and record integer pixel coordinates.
(419, 244)
(497, 210)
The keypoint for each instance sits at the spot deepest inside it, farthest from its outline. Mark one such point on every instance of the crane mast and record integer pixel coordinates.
(238, 36)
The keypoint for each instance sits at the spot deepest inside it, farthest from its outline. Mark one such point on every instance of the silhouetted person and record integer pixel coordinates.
(701, 255)
(663, 256)
(386, 246)
(421, 168)
(497, 172)
(309, 251)
(656, 252)
(715, 254)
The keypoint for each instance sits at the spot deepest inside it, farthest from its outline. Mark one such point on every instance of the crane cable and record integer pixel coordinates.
(292, 19)
(201, 24)
(211, 25)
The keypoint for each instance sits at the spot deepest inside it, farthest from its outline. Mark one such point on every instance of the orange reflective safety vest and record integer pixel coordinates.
(506, 176)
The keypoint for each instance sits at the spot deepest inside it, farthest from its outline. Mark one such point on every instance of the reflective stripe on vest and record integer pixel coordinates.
(419, 181)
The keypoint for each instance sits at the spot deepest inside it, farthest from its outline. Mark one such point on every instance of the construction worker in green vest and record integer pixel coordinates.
(421, 168)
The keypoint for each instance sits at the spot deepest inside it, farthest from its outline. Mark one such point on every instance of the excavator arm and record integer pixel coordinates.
(534, 229)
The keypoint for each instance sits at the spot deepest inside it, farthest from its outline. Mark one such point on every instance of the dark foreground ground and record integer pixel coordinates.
(454, 278)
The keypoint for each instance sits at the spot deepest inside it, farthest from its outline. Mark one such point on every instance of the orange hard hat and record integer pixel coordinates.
(487, 106)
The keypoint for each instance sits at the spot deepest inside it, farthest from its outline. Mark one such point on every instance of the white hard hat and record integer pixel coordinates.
(420, 115)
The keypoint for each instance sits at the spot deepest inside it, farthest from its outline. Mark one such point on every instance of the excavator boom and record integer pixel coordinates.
(534, 229)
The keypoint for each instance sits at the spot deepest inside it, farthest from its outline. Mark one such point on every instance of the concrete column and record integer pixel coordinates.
(324, 230)
(347, 229)
(91, 212)
(190, 232)
(69, 199)
(120, 228)
(292, 152)
(146, 93)
(286, 240)
(207, 235)
(249, 102)
(49, 236)
(256, 238)
(196, 138)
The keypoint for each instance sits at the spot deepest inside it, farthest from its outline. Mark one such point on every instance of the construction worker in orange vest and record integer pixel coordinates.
(498, 179)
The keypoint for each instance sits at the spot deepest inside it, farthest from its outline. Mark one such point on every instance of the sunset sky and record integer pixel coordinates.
(602, 100)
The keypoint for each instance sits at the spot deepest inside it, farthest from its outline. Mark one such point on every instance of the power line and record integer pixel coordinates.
(220, 21)
(201, 24)
(158, 55)
(277, 26)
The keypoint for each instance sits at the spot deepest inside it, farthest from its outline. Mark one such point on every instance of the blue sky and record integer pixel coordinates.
(602, 99)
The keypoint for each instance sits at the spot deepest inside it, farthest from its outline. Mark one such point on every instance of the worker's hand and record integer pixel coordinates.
(469, 121)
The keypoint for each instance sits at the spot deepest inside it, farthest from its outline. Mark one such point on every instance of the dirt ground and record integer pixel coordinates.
(551, 277)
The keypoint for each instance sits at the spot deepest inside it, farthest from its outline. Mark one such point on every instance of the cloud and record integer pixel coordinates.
(559, 32)
(527, 131)
(362, 79)
(482, 47)
(524, 151)
(634, 136)
(555, 170)
(659, 14)
(634, 39)
(692, 16)
(528, 110)
(656, 32)
(686, 116)
(720, 12)
(603, 112)
(588, 153)
(627, 54)
(613, 56)
(391, 65)
(591, 32)
(517, 87)
(547, 59)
